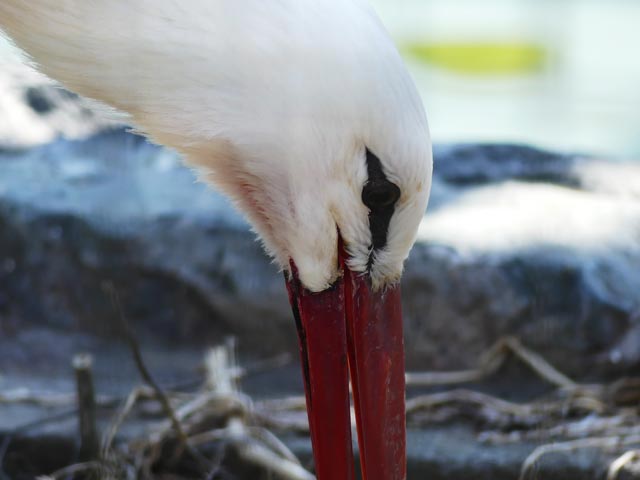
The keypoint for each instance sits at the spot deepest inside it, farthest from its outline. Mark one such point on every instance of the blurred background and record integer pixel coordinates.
(520, 297)
(558, 74)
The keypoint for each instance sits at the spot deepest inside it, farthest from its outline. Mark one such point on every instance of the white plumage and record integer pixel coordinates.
(274, 101)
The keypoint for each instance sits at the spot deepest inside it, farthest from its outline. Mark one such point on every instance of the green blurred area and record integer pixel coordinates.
(480, 58)
(561, 75)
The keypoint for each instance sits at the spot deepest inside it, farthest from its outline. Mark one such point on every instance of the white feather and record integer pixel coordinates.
(274, 101)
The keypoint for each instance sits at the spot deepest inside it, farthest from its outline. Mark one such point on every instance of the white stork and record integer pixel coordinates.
(302, 112)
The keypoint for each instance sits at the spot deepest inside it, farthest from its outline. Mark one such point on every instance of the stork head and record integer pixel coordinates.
(338, 152)
(369, 194)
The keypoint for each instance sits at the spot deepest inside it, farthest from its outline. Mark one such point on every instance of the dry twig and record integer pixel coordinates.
(489, 363)
(117, 421)
(73, 470)
(250, 447)
(89, 449)
(223, 417)
(603, 443)
(136, 352)
(621, 462)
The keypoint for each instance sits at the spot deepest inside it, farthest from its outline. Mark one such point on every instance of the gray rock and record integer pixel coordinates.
(549, 255)
(81, 219)
(478, 164)
(516, 241)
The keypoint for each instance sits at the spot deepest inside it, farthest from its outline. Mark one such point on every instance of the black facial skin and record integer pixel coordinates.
(380, 196)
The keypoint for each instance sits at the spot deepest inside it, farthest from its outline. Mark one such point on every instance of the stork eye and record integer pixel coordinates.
(376, 194)
(380, 196)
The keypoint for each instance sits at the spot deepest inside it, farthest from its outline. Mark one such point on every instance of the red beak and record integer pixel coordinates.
(352, 329)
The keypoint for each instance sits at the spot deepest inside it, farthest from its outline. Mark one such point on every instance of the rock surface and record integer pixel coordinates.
(541, 246)
(84, 219)
(516, 241)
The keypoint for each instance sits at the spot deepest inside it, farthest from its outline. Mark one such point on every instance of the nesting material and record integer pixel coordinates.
(219, 422)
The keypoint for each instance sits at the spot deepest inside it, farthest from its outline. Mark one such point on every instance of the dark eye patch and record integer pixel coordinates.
(380, 196)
